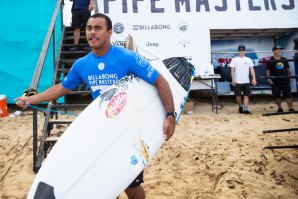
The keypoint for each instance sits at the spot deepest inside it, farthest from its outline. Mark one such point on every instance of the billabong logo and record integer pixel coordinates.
(118, 28)
(183, 26)
(152, 27)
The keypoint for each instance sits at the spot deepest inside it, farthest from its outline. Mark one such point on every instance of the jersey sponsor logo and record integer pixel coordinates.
(141, 61)
(152, 27)
(103, 76)
(101, 66)
(150, 71)
(118, 28)
(116, 104)
(101, 81)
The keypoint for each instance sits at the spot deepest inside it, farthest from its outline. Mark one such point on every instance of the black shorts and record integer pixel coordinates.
(80, 18)
(277, 89)
(136, 182)
(245, 88)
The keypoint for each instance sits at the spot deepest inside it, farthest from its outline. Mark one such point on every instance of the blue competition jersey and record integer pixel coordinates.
(100, 72)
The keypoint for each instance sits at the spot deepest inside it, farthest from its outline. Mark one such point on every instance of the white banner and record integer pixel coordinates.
(167, 28)
(216, 14)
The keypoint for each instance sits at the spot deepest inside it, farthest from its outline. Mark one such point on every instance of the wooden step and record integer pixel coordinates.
(67, 61)
(53, 121)
(52, 139)
(73, 54)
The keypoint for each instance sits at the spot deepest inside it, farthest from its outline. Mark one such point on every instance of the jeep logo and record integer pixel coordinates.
(149, 44)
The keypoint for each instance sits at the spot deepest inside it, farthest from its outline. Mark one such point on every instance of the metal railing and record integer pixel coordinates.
(51, 34)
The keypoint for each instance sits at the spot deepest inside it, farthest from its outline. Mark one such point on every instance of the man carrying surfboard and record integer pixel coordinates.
(104, 66)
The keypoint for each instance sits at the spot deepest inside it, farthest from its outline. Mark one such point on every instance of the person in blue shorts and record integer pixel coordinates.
(81, 11)
(102, 67)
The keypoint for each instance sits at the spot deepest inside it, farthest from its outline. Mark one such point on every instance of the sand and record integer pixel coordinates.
(210, 155)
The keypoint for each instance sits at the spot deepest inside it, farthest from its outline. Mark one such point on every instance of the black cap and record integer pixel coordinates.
(241, 47)
(277, 47)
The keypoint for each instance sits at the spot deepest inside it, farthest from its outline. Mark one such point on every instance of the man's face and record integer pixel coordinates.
(241, 51)
(97, 33)
(277, 52)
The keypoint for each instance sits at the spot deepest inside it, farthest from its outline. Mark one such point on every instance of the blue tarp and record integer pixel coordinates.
(22, 35)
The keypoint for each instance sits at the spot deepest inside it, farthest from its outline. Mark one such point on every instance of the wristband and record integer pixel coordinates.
(173, 114)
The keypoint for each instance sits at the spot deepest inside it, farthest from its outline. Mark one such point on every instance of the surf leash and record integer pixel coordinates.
(33, 91)
(51, 111)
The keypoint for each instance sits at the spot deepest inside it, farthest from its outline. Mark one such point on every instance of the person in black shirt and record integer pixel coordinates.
(279, 66)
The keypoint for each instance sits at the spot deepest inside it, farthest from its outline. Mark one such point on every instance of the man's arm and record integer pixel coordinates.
(288, 68)
(50, 94)
(289, 72)
(268, 73)
(166, 97)
(253, 74)
(233, 76)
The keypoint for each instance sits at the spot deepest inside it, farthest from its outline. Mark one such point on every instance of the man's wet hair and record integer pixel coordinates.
(108, 20)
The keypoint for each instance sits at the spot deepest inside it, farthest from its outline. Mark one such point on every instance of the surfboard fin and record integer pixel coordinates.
(44, 191)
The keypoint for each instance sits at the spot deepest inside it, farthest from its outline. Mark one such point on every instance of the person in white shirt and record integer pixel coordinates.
(241, 66)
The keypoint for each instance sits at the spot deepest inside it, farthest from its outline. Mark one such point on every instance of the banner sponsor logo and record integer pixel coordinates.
(183, 26)
(119, 43)
(184, 43)
(118, 28)
(152, 27)
(152, 44)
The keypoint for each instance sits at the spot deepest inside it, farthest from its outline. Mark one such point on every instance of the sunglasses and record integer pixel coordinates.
(241, 50)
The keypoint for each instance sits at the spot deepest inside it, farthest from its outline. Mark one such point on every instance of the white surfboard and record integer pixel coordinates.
(112, 140)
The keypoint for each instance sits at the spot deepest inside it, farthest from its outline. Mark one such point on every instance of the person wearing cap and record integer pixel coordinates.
(279, 66)
(241, 66)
